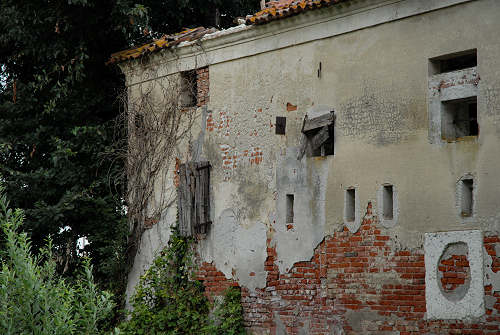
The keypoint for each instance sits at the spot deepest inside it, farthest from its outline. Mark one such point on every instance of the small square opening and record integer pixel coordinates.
(454, 62)
(467, 197)
(459, 119)
(388, 202)
(289, 208)
(350, 205)
(280, 125)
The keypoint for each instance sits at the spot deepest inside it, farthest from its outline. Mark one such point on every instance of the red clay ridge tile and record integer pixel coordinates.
(280, 9)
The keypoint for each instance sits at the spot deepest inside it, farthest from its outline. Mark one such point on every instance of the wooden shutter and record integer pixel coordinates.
(202, 199)
(193, 198)
(317, 136)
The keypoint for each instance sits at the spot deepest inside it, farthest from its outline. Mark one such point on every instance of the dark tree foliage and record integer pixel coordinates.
(57, 105)
(171, 16)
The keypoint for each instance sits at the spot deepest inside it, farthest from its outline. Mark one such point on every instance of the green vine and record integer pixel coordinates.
(169, 301)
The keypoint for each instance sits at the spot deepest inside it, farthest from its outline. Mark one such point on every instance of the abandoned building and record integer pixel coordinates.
(340, 165)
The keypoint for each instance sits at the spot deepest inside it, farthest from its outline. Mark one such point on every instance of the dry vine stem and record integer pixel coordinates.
(157, 114)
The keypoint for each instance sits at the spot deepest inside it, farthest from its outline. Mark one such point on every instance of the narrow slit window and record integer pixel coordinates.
(467, 197)
(289, 208)
(350, 205)
(388, 202)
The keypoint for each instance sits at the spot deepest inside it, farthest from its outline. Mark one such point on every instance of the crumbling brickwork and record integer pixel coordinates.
(357, 283)
(202, 86)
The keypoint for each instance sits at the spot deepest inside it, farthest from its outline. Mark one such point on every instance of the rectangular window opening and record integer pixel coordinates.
(467, 197)
(289, 208)
(388, 202)
(350, 205)
(189, 89)
(459, 119)
(280, 125)
(453, 62)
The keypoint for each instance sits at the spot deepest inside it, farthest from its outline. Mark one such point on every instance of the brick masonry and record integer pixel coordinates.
(202, 86)
(356, 283)
(455, 272)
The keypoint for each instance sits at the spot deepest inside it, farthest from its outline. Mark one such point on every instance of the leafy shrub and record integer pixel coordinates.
(228, 315)
(169, 301)
(33, 298)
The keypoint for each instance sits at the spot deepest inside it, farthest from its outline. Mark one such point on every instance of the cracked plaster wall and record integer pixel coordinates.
(376, 80)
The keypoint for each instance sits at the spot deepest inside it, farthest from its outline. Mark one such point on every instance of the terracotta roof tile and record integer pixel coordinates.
(167, 41)
(280, 9)
(275, 10)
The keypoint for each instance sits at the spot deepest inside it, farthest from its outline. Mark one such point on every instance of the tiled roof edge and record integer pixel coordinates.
(165, 42)
(276, 10)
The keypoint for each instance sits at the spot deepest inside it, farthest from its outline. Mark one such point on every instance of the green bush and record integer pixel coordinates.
(228, 315)
(168, 301)
(33, 298)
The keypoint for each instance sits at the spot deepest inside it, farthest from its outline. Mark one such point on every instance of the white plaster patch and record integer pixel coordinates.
(472, 304)
(231, 244)
(307, 181)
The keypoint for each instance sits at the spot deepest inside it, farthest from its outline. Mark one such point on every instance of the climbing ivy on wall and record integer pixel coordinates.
(168, 300)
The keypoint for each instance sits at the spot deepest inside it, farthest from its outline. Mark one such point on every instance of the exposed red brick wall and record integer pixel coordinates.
(202, 86)
(455, 271)
(215, 282)
(349, 274)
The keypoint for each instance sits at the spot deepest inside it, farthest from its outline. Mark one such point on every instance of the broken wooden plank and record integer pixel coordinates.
(320, 138)
(184, 200)
(302, 147)
(318, 122)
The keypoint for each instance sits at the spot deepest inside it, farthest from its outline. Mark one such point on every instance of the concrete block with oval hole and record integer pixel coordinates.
(454, 274)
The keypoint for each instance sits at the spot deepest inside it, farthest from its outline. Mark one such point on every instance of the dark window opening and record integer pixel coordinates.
(459, 119)
(189, 89)
(289, 208)
(193, 196)
(388, 202)
(350, 205)
(454, 62)
(319, 136)
(467, 197)
(280, 125)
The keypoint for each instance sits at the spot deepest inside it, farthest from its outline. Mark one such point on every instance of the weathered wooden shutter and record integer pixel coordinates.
(317, 136)
(193, 197)
(202, 198)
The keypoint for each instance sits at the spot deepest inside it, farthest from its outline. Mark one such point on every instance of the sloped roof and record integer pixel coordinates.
(166, 41)
(280, 9)
(275, 10)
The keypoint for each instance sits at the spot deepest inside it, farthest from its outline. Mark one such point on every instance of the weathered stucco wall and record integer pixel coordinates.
(378, 82)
